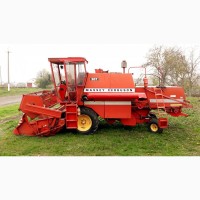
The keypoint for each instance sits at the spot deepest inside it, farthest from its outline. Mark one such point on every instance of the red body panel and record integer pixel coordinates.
(117, 111)
(111, 109)
(109, 80)
(110, 94)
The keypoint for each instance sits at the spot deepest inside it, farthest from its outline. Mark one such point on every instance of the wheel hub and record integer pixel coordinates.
(84, 123)
(154, 127)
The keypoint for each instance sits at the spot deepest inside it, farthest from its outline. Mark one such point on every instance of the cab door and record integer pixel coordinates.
(71, 81)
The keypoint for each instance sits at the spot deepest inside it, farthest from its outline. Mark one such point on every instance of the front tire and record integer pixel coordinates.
(87, 121)
(154, 127)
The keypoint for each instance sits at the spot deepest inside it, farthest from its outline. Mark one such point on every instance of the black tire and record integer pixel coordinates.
(152, 115)
(154, 127)
(93, 118)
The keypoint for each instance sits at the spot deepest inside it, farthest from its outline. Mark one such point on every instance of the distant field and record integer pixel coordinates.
(17, 91)
(182, 138)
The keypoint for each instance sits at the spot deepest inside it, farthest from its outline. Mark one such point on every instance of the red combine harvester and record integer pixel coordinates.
(79, 98)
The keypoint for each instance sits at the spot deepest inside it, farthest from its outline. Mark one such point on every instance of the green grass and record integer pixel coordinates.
(182, 138)
(17, 91)
(8, 111)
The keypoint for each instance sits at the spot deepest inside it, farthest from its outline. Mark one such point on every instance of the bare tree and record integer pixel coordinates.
(169, 64)
(174, 67)
(193, 77)
(177, 64)
(156, 59)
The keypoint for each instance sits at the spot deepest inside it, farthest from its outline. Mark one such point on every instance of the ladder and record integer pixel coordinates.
(161, 108)
(71, 116)
(160, 103)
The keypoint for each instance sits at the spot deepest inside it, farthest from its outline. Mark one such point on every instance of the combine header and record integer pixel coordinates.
(79, 98)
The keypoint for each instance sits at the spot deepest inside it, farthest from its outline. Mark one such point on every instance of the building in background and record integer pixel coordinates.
(31, 83)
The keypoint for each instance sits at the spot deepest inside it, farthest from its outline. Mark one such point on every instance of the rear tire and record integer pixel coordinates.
(87, 121)
(154, 127)
(152, 116)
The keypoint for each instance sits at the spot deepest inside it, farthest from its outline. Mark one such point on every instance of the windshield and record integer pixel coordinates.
(80, 73)
(70, 74)
(59, 74)
(56, 74)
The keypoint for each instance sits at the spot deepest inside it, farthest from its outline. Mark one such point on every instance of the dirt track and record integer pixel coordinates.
(7, 100)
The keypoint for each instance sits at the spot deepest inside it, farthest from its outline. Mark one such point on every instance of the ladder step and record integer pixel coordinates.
(72, 127)
(71, 116)
(71, 112)
(71, 124)
(161, 108)
(71, 119)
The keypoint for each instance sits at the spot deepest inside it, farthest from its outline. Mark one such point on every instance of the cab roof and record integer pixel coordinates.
(69, 59)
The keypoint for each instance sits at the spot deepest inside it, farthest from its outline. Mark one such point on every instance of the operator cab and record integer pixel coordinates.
(68, 74)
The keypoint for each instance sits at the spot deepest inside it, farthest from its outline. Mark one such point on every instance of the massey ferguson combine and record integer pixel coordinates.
(80, 98)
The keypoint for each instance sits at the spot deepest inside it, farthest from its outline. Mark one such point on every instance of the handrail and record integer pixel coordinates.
(167, 97)
(139, 67)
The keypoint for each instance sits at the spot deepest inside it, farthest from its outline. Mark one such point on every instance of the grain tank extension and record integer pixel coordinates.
(80, 98)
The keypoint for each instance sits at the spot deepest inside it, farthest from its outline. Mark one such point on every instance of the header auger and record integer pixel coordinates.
(79, 98)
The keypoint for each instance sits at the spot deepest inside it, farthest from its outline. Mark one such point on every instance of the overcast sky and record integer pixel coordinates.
(27, 60)
(104, 32)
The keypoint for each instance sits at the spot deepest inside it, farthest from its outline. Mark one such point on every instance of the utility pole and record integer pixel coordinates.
(8, 72)
(0, 77)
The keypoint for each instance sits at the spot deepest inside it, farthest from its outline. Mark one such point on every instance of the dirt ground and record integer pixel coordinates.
(7, 100)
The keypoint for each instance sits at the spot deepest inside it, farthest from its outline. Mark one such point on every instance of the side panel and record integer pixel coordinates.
(111, 109)
(130, 121)
(97, 106)
(118, 109)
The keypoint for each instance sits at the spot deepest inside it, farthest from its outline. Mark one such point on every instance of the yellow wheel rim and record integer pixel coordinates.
(84, 123)
(154, 127)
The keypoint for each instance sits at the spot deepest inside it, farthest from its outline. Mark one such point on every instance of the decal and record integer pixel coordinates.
(109, 90)
(94, 79)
